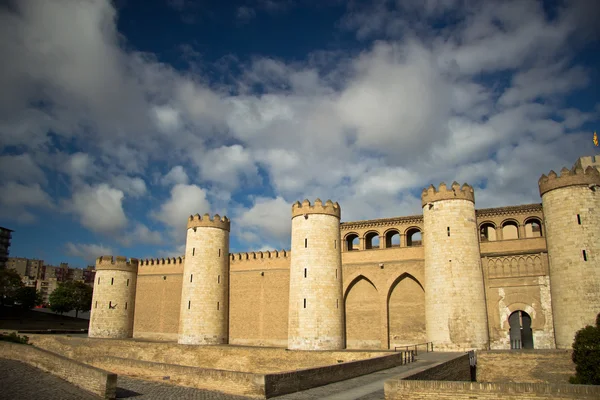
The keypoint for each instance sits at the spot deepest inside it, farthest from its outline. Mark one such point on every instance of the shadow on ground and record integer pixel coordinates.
(14, 318)
(123, 393)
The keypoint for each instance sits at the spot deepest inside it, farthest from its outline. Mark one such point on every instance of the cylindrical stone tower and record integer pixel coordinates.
(455, 310)
(571, 204)
(204, 316)
(316, 302)
(113, 301)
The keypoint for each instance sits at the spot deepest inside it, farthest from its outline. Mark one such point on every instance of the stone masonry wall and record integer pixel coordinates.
(94, 380)
(454, 291)
(204, 311)
(552, 366)
(457, 369)
(113, 304)
(439, 390)
(573, 227)
(316, 302)
(158, 300)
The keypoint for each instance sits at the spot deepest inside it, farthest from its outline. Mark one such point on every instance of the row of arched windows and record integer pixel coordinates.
(391, 238)
(488, 232)
(510, 229)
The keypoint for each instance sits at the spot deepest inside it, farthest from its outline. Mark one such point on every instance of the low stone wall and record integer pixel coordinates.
(230, 382)
(525, 366)
(290, 382)
(262, 360)
(89, 378)
(457, 369)
(396, 389)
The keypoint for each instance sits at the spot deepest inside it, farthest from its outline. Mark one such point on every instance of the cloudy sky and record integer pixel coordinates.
(120, 119)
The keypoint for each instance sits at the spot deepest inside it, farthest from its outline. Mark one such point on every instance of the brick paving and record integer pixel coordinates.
(23, 382)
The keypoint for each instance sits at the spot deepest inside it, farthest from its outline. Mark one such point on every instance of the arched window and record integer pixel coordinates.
(510, 230)
(392, 239)
(533, 228)
(372, 240)
(413, 237)
(487, 232)
(352, 242)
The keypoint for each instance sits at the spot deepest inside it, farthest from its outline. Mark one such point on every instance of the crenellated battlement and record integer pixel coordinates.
(257, 255)
(195, 221)
(329, 208)
(162, 261)
(117, 263)
(576, 176)
(432, 194)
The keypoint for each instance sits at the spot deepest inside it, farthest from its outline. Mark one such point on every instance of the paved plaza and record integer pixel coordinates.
(23, 382)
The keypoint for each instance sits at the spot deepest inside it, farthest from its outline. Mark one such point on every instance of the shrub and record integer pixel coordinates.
(14, 338)
(586, 355)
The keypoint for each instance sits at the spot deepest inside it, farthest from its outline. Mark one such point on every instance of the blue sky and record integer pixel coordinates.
(120, 119)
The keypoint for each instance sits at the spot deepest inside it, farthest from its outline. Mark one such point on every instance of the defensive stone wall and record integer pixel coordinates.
(95, 380)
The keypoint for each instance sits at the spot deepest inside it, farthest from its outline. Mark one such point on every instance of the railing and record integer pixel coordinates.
(408, 356)
(415, 347)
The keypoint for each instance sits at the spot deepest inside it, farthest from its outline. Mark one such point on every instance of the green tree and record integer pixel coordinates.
(71, 296)
(83, 297)
(586, 355)
(28, 297)
(62, 299)
(10, 282)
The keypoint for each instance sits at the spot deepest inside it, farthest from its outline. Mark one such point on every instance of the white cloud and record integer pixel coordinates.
(185, 200)
(268, 219)
(21, 168)
(132, 186)
(141, 234)
(176, 175)
(479, 100)
(87, 252)
(99, 208)
(17, 200)
(228, 166)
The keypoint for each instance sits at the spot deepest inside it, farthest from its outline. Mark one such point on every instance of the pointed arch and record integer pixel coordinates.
(406, 311)
(363, 316)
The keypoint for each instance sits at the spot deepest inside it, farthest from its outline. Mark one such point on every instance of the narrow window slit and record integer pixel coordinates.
(217, 305)
(584, 255)
(219, 279)
(305, 272)
(448, 231)
(219, 252)
(127, 282)
(304, 303)
(96, 305)
(578, 219)
(189, 304)
(126, 305)
(191, 277)
(305, 243)
(193, 250)
(112, 281)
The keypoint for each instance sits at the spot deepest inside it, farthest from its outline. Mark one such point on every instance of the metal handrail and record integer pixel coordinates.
(415, 347)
